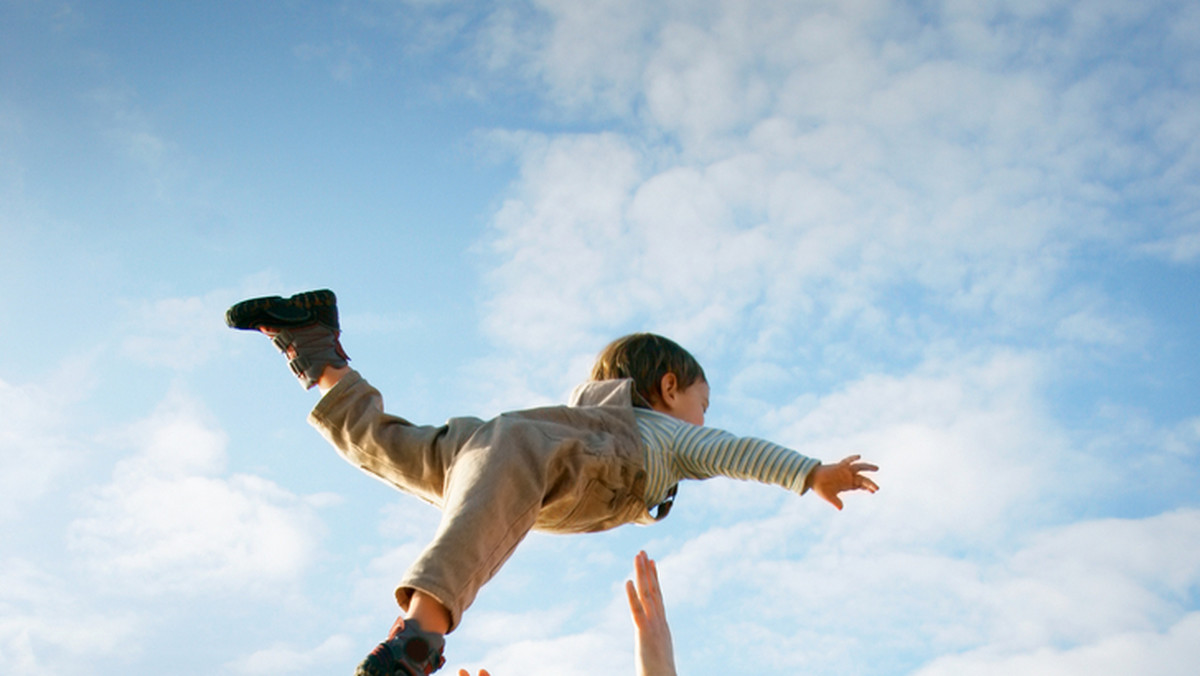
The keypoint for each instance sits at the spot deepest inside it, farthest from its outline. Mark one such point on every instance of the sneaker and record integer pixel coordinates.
(274, 312)
(408, 651)
(304, 328)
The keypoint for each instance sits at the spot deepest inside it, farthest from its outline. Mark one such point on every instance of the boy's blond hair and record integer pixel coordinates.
(646, 358)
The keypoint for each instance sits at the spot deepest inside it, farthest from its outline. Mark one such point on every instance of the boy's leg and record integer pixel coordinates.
(331, 376)
(492, 498)
(305, 328)
(415, 459)
(412, 458)
(488, 478)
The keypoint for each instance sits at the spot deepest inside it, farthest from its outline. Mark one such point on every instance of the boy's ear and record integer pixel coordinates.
(668, 387)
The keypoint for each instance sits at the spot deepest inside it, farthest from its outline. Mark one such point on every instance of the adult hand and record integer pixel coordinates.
(653, 649)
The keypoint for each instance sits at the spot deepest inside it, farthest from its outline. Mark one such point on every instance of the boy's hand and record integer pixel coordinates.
(829, 480)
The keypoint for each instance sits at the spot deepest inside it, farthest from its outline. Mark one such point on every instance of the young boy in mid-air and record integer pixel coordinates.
(613, 456)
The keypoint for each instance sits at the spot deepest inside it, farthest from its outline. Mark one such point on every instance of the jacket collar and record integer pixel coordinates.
(603, 393)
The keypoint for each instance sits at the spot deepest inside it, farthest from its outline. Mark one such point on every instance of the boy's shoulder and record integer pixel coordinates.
(617, 392)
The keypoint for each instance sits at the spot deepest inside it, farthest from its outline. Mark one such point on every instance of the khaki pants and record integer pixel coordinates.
(557, 469)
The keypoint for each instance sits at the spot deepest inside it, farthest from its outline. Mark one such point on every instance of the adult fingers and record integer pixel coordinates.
(652, 594)
(635, 605)
(645, 574)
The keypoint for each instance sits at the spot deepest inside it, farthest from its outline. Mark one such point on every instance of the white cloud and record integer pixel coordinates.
(172, 520)
(186, 333)
(46, 627)
(591, 57)
(134, 136)
(965, 444)
(695, 83)
(345, 61)
(1130, 575)
(556, 244)
(816, 604)
(1167, 653)
(1184, 439)
(372, 592)
(578, 654)
(1181, 248)
(35, 444)
(499, 628)
(1103, 329)
(412, 523)
(179, 333)
(336, 651)
(1153, 461)
(837, 165)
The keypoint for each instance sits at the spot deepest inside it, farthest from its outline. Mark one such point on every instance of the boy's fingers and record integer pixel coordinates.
(832, 499)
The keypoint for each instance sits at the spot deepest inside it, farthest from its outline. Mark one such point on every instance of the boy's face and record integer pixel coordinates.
(689, 404)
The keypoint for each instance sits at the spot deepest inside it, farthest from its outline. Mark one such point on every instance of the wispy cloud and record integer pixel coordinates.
(287, 659)
(173, 520)
(179, 333)
(37, 445)
(47, 625)
(345, 61)
(1164, 653)
(848, 600)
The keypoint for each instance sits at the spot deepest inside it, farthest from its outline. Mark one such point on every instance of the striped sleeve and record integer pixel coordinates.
(676, 450)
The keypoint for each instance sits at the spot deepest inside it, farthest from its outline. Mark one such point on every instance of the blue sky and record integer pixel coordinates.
(961, 238)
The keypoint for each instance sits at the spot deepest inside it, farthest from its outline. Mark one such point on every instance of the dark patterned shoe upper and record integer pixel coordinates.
(409, 651)
(310, 307)
(303, 327)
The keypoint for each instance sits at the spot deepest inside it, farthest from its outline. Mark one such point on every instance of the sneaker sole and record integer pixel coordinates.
(277, 311)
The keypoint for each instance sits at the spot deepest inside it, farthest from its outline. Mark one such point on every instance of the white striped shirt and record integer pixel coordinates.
(676, 450)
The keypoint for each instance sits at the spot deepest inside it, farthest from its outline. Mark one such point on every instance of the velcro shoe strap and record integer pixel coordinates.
(309, 350)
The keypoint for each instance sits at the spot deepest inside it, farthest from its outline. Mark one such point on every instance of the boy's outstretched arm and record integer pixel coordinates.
(829, 480)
